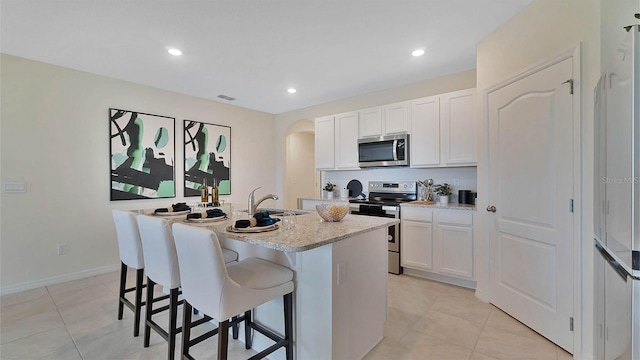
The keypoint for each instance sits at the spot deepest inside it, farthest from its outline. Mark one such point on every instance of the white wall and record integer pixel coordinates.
(55, 137)
(542, 31)
(447, 83)
(300, 168)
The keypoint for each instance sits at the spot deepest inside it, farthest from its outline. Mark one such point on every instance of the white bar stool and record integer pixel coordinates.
(222, 290)
(130, 249)
(162, 268)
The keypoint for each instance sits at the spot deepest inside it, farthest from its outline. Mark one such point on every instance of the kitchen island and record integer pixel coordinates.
(340, 282)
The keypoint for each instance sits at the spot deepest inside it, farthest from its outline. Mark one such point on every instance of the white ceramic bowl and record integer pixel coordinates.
(332, 212)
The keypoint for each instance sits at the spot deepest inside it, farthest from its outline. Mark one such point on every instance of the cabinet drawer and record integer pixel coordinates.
(457, 217)
(416, 214)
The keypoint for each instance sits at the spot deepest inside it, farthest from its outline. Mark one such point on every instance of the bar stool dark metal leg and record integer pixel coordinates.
(186, 329)
(223, 339)
(148, 311)
(173, 319)
(138, 304)
(235, 330)
(288, 325)
(248, 341)
(121, 292)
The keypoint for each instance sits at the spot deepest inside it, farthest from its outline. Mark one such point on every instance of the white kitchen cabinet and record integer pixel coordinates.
(346, 141)
(443, 130)
(370, 122)
(385, 120)
(336, 142)
(325, 143)
(457, 123)
(438, 243)
(453, 250)
(417, 245)
(396, 118)
(425, 132)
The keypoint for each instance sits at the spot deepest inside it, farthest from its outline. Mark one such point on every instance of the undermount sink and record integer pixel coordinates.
(280, 212)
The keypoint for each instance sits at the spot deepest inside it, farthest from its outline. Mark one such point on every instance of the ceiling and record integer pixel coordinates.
(253, 50)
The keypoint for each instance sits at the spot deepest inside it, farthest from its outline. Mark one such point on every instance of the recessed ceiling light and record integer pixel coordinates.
(418, 52)
(175, 52)
(291, 90)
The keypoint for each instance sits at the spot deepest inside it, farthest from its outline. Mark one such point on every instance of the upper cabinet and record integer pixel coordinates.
(336, 142)
(425, 135)
(325, 143)
(443, 130)
(458, 127)
(384, 120)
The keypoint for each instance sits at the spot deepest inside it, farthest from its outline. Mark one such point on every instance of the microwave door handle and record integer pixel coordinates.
(395, 150)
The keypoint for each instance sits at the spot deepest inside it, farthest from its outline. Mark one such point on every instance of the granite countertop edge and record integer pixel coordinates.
(449, 206)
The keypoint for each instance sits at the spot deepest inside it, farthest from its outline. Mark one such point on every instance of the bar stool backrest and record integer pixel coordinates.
(129, 243)
(203, 271)
(161, 261)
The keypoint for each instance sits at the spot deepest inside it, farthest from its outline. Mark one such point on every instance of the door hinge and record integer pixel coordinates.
(571, 205)
(571, 324)
(570, 81)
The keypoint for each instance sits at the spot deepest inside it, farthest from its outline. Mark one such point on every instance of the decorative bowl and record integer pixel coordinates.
(332, 212)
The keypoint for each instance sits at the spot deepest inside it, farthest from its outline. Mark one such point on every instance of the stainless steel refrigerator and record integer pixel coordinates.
(617, 204)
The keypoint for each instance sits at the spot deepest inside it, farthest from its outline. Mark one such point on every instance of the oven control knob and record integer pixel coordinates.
(389, 238)
(405, 186)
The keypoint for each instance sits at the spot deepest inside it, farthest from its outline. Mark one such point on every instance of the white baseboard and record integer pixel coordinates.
(441, 278)
(10, 289)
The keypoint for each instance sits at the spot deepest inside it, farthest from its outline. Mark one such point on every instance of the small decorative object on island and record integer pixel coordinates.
(327, 191)
(444, 191)
(331, 212)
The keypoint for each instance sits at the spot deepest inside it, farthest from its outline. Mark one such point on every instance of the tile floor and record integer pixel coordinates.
(427, 320)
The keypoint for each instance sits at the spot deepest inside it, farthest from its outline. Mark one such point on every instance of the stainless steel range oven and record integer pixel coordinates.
(384, 200)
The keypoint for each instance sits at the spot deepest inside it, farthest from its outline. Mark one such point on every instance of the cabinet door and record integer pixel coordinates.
(370, 122)
(458, 125)
(396, 118)
(453, 251)
(325, 143)
(416, 248)
(425, 132)
(346, 146)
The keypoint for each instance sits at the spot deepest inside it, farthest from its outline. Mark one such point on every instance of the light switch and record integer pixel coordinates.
(14, 187)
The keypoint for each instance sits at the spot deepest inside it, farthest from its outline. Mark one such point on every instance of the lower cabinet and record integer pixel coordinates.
(417, 242)
(438, 242)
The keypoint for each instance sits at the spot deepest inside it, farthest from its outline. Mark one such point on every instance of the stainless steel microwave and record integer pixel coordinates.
(392, 150)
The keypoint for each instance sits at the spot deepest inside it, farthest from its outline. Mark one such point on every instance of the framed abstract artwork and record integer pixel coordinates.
(142, 150)
(207, 156)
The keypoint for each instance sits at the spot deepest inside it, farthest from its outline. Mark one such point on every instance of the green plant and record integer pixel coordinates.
(442, 189)
(329, 187)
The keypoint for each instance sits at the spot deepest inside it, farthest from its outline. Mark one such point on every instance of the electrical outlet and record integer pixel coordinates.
(62, 249)
(456, 182)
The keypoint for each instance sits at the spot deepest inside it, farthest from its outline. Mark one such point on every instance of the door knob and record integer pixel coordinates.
(491, 208)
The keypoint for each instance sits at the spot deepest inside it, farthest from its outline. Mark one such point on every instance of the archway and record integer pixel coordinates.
(300, 176)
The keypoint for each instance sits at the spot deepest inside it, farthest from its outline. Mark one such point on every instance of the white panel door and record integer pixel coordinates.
(531, 186)
(425, 132)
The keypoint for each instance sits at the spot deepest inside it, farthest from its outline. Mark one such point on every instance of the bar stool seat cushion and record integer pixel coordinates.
(256, 273)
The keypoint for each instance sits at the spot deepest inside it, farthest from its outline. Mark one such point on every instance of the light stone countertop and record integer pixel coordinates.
(310, 231)
(437, 205)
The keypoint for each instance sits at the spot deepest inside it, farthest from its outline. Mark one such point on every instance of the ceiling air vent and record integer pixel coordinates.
(225, 97)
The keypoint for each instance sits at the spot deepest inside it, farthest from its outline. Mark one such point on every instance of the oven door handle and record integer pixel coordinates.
(395, 150)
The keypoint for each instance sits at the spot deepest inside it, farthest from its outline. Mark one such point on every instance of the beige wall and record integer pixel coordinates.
(284, 121)
(542, 31)
(55, 137)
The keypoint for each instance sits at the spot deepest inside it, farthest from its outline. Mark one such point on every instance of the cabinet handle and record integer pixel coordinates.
(491, 208)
